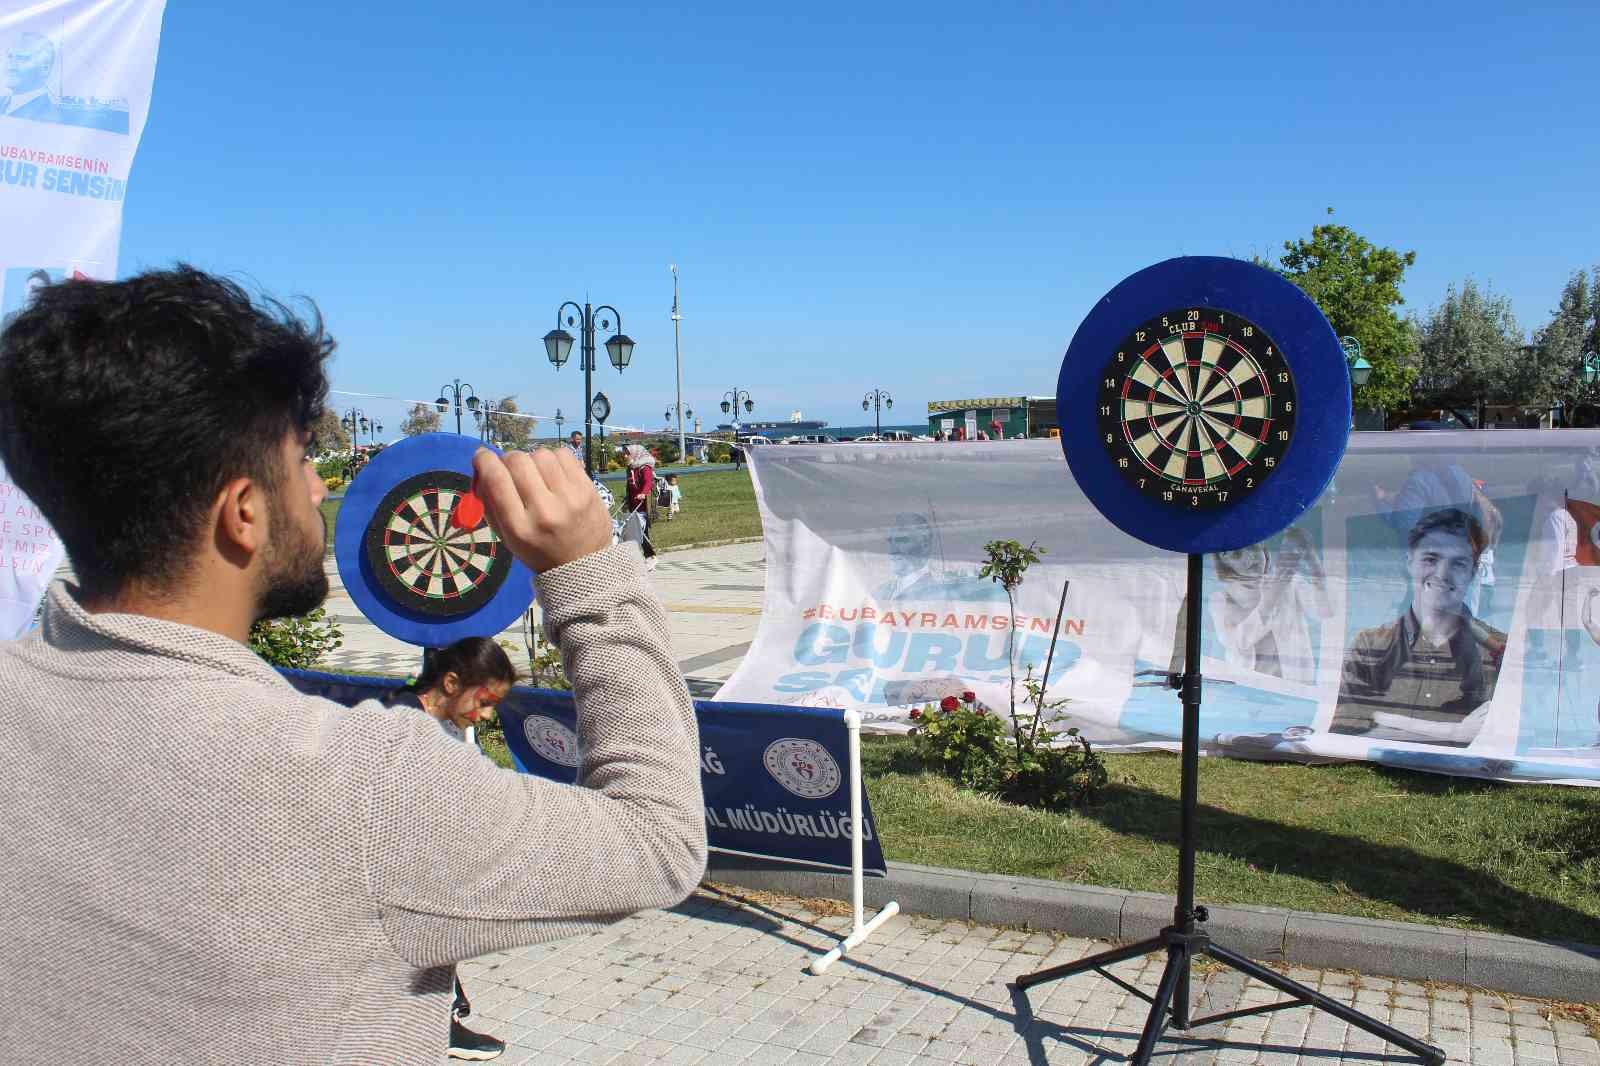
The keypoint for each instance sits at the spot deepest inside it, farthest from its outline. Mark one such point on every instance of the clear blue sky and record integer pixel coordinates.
(925, 197)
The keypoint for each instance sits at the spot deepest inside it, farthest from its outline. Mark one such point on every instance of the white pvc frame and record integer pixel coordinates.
(860, 928)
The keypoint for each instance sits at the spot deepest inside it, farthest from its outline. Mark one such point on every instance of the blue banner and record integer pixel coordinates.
(776, 779)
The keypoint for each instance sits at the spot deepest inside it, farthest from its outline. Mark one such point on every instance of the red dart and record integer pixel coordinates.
(468, 512)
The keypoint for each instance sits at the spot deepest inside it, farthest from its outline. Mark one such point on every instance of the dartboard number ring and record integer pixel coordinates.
(423, 562)
(1196, 408)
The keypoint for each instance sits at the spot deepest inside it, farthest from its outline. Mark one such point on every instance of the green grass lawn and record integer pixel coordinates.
(1351, 839)
(330, 514)
(716, 506)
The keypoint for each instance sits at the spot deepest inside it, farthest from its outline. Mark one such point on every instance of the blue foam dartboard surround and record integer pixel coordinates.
(1322, 388)
(395, 464)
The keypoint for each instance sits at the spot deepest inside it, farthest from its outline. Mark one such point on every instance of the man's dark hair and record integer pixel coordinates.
(126, 406)
(1449, 520)
(474, 660)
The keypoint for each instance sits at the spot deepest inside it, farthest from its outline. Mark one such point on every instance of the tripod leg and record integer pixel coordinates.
(1093, 962)
(1426, 1052)
(1177, 962)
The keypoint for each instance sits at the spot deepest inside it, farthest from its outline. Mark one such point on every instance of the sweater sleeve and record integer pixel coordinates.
(465, 858)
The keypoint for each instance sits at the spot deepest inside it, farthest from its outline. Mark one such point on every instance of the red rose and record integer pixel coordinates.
(969, 697)
(915, 714)
(948, 704)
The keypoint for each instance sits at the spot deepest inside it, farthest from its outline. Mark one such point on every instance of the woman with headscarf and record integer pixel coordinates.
(641, 487)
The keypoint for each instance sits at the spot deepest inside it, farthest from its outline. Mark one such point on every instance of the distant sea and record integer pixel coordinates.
(857, 431)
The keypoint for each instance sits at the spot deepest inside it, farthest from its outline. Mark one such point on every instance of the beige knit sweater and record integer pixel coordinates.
(200, 865)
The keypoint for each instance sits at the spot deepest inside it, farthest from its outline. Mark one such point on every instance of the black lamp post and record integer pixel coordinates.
(730, 402)
(457, 390)
(560, 418)
(488, 422)
(685, 414)
(877, 399)
(558, 346)
(356, 422)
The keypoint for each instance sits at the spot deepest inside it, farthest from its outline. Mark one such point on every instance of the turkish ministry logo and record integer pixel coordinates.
(804, 767)
(551, 740)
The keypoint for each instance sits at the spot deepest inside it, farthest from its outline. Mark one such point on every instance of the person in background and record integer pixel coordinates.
(674, 496)
(641, 486)
(575, 444)
(459, 687)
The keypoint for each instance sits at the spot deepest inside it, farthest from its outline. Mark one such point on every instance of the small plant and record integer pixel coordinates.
(1008, 561)
(545, 669)
(297, 643)
(1038, 767)
(962, 741)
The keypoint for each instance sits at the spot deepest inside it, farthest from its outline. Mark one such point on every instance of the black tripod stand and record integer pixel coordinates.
(1184, 939)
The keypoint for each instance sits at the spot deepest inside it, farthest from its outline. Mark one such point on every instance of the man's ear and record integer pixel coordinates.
(242, 517)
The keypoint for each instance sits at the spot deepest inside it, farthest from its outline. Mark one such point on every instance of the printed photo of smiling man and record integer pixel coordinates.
(1428, 676)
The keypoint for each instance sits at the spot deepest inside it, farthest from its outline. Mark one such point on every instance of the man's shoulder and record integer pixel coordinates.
(1376, 637)
(1487, 637)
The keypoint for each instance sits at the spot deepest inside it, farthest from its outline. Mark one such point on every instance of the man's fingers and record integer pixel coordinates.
(498, 490)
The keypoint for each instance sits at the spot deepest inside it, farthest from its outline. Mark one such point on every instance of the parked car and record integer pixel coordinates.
(899, 436)
(754, 440)
(808, 438)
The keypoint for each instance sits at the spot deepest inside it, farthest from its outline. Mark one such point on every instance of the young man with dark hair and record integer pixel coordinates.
(206, 865)
(1428, 676)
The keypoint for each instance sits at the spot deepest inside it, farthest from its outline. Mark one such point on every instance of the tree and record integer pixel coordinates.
(422, 418)
(1571, 336)
(1357, 286)
(1469, 350)
(507, 427)
(331, 436)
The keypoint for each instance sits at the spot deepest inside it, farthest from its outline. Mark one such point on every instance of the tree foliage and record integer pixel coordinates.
(1469, 350)
(298, 643)
(507, 428)
(422, 418)
(331, 436)
(1357, 286)
(1573, 335)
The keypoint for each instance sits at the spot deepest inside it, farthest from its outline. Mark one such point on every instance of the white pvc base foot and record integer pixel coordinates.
(822, 962)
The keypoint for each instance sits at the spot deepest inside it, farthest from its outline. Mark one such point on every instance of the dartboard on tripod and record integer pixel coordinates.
(1180, 404)
(412, 572)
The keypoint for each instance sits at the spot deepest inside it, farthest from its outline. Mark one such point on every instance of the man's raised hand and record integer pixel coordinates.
(542, 505)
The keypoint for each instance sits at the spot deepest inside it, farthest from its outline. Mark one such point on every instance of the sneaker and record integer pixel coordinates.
(477, 1047)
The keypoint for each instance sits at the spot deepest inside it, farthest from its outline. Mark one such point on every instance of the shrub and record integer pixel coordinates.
(719, 453)
(297, 643)
(334, 466)
(963, 742)
(333, 484)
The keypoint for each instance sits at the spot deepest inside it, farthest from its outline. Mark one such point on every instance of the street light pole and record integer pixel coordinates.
(683, 413)
(456, 390)
(677, 355)
(730, 402)
(356, 421)
(558, 346)
(877, 399)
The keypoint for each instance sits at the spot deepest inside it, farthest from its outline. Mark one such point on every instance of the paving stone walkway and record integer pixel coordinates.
(722, 979)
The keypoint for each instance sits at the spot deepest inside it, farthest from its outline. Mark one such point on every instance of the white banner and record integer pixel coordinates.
(1438, 609)
(76, 91)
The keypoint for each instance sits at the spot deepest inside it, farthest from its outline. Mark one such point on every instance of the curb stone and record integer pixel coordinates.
(1408, 950)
